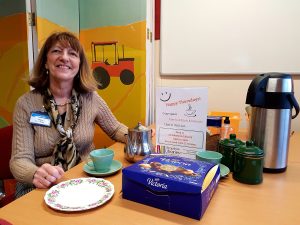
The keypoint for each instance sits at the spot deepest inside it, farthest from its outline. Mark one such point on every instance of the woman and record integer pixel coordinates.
(54, 123)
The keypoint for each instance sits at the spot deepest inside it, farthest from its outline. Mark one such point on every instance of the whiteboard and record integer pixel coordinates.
(229, 37)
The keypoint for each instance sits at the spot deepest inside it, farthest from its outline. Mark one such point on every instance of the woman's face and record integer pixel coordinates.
(62, 63)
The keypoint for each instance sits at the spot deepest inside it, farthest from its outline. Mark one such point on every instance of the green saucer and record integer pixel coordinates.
(115, 167)
(224, 170)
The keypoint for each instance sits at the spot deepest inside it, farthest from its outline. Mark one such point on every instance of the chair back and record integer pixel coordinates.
(5, 151)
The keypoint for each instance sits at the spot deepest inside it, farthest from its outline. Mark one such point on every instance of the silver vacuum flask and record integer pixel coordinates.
(272, 101)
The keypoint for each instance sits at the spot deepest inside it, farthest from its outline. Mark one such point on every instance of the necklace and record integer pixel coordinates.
(63, 104)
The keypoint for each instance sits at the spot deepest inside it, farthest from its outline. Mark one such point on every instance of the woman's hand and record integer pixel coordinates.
(153, 132)
(46, 175)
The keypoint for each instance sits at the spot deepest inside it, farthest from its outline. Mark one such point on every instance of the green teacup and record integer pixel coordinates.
(209, 156)
(100, 160)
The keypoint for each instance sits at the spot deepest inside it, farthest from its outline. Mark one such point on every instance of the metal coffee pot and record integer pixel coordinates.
(138, 143)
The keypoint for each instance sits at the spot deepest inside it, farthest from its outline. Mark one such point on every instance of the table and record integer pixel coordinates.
(275, 201)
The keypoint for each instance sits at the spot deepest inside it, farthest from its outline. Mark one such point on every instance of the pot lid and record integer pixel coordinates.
(140, 127)
(249, 149)
(232, 141)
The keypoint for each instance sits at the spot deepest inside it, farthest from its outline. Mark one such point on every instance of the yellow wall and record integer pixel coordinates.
(13, 64)
(127, 102)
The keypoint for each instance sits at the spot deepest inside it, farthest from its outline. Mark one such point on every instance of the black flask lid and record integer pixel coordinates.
(257, 96)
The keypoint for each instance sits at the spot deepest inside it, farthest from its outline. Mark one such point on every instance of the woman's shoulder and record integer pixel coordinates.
(92, 96)
(33, 94)
(29, 98)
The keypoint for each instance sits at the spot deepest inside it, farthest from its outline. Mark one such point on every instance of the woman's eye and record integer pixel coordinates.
(74, 54)
(56, 51)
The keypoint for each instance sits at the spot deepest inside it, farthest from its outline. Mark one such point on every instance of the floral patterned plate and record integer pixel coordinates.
(79, 194)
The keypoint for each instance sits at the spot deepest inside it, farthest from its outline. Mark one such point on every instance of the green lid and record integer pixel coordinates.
(249, 150)
(232, 141)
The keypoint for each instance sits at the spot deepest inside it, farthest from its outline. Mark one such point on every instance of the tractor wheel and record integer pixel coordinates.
(102, 77)
(127, 77)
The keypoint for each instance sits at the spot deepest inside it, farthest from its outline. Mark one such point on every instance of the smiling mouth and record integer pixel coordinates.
(63, 67)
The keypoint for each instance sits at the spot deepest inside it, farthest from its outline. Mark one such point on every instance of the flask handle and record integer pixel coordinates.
(294, 104)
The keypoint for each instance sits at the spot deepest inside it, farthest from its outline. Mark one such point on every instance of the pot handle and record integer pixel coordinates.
(294, 104)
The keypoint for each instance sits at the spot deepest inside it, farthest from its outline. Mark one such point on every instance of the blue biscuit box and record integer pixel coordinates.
(172, 183)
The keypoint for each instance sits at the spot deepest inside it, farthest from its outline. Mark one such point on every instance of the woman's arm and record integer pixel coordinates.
(107, 121)
(22, 162)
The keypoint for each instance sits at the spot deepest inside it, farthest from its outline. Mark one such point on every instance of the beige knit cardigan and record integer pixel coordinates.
(33, 145)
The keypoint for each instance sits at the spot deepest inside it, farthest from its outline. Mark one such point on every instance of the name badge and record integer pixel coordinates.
(40, 119)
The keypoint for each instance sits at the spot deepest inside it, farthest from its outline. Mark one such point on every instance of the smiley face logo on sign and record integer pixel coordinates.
(165, 96)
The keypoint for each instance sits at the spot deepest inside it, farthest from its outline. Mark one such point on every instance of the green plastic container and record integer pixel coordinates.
(226, 148)
(248, 164)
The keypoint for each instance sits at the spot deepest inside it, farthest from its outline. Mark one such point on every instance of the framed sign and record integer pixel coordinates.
(181, 115)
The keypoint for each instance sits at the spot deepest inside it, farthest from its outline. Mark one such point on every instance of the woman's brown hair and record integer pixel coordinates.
(83, 82)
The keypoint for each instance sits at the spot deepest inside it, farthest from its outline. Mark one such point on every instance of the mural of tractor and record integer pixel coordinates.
(103, 69)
